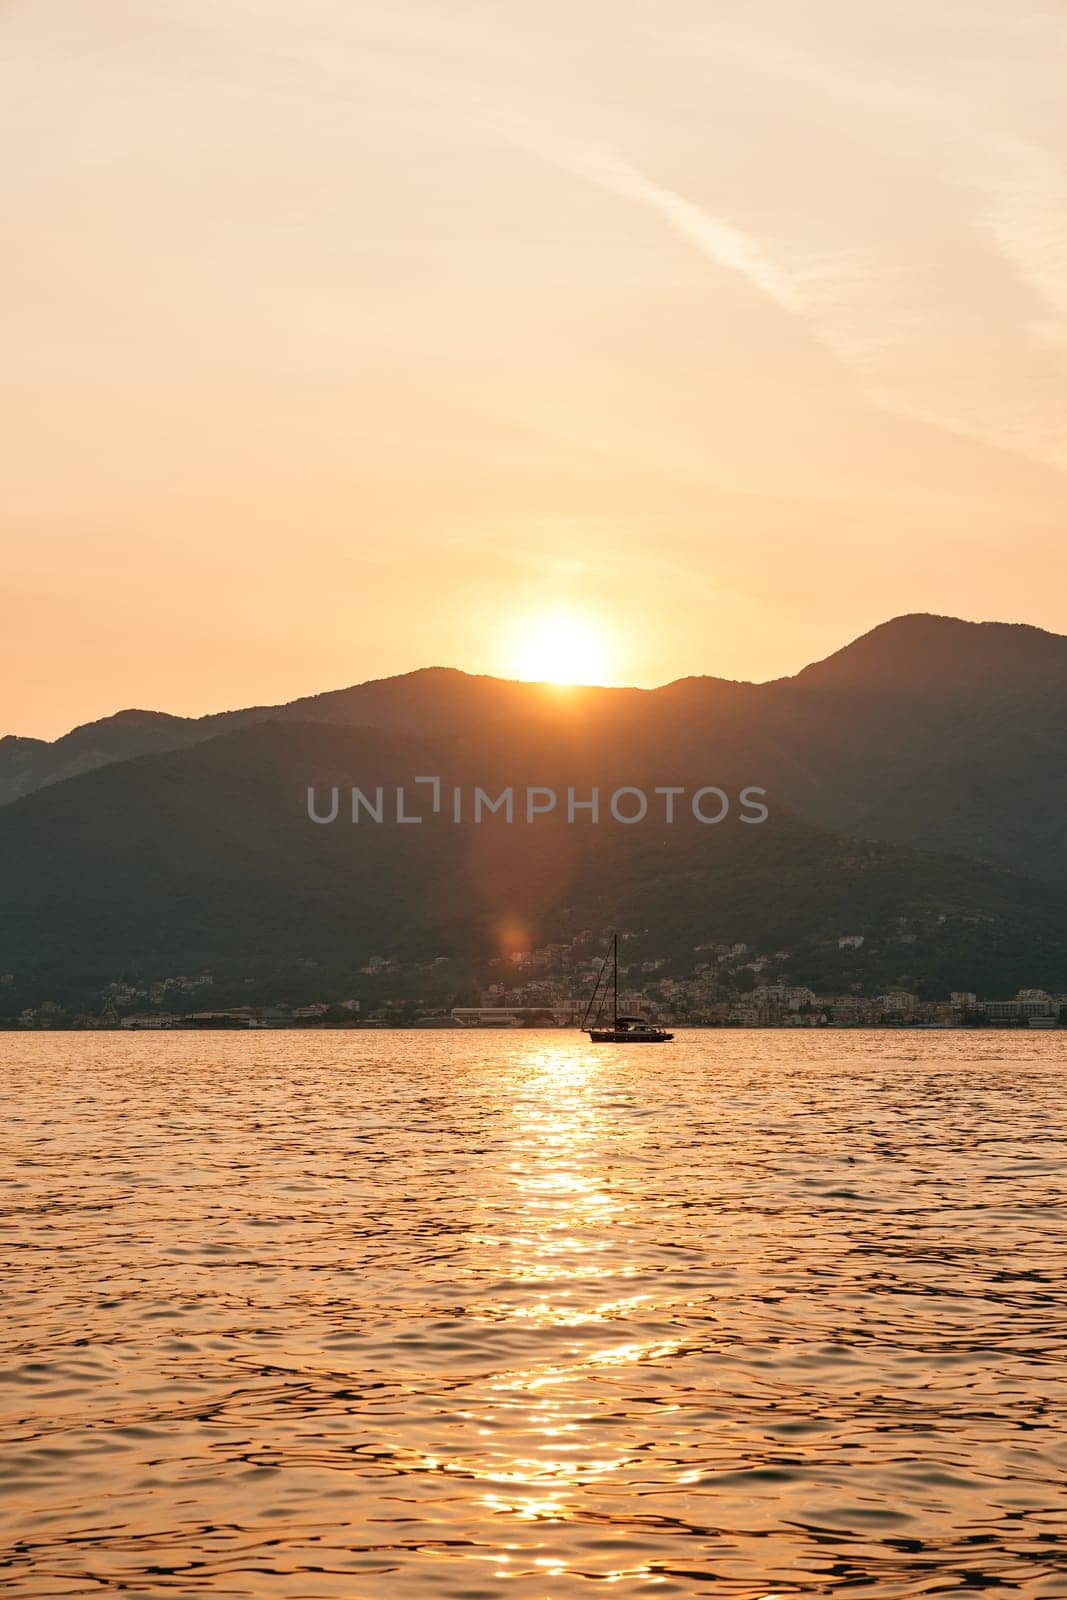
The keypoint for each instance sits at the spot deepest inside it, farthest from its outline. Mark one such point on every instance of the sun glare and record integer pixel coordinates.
(561, 648)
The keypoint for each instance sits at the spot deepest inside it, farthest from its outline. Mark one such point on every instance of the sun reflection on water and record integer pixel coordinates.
(564, 1263)
(760, 1318)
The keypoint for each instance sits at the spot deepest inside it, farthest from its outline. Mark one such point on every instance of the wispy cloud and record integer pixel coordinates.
(1023, 196)
(717, 238)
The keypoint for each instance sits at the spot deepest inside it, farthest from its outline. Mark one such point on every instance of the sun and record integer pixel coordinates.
(561, 647)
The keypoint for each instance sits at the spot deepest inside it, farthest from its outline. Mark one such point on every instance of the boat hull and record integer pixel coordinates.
(625, 1036)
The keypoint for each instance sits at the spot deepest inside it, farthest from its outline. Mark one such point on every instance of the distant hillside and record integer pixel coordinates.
(432, 700)
(205, 858)
(29, 764)
(930, 732)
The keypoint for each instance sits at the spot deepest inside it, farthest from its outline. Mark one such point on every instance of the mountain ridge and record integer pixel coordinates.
(892, 627)
(926, 731)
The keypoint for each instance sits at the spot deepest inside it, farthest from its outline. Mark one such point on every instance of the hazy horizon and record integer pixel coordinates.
(374, 333)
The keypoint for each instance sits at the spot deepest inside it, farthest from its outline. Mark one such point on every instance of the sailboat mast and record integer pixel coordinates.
(601, 978)
(615, 981)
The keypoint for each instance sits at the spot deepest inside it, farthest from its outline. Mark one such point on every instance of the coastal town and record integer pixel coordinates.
(726, 985)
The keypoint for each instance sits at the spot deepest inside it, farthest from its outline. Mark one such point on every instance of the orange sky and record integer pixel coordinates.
(339, 335)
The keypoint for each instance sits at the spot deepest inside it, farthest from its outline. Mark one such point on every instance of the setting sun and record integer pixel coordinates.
(561, 647)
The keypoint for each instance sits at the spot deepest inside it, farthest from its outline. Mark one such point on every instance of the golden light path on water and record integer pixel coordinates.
(469, 1315)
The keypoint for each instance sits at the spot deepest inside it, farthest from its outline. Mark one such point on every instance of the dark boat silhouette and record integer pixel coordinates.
(623, 1030)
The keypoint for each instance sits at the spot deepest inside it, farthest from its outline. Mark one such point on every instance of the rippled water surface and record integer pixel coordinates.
(436, 1314)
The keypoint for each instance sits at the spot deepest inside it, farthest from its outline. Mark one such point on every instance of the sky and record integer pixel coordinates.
(342, 337)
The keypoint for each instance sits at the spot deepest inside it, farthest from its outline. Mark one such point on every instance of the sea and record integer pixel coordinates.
(434, 1314)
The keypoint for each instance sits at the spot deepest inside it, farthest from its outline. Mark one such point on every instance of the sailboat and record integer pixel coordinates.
(623, 1030)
